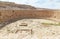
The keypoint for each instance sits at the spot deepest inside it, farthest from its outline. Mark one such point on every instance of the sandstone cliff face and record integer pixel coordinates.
(16, 12)
(57, 14)
(20, 14)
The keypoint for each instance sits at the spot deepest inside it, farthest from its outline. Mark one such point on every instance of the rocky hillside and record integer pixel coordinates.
(11, 5)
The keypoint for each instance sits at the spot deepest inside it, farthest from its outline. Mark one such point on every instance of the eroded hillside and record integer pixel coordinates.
(13, 6)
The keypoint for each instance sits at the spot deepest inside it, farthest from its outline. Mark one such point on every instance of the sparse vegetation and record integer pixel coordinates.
(52, 24)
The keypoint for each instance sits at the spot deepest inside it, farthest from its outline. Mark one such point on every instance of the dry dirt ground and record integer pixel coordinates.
(30, 29)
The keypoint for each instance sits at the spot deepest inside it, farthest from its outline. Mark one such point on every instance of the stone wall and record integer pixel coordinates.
(9, 15)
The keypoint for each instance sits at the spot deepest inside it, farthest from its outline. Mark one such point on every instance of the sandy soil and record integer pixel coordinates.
(30, 29)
